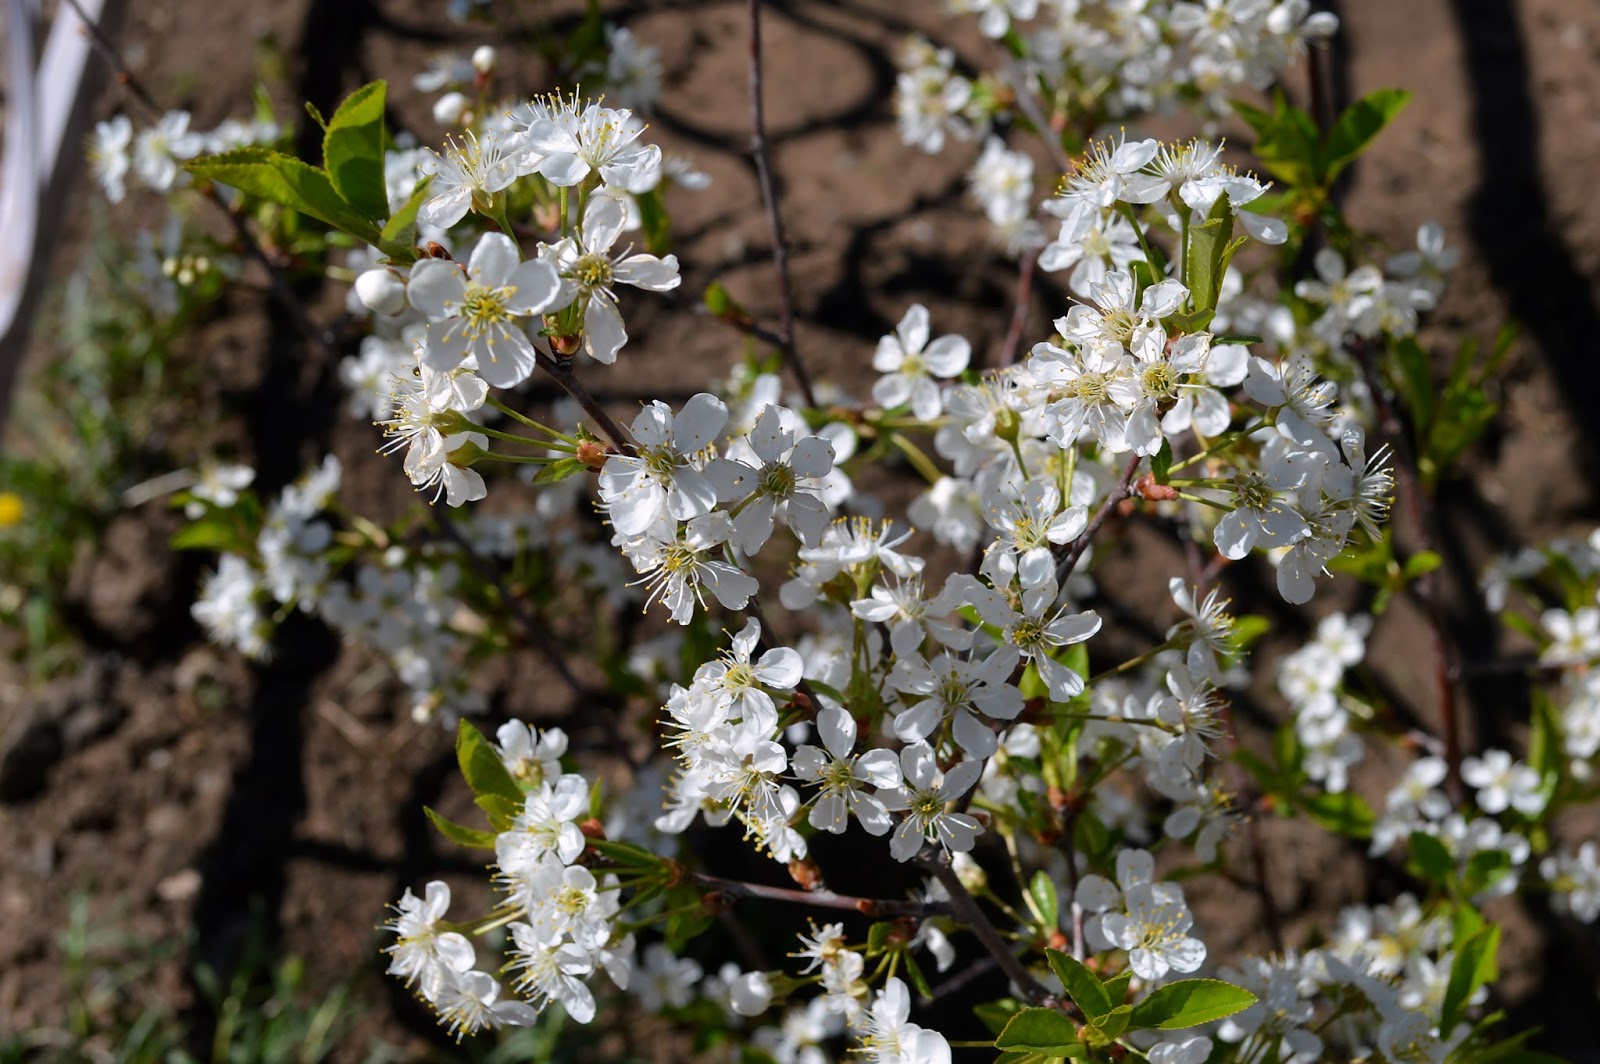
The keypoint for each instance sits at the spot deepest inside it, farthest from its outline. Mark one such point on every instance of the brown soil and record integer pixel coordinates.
(198, 800)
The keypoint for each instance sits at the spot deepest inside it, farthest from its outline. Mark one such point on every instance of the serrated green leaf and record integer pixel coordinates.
(1042, 899)
(485, 773)
(1117, 986)
(1189, 1003)
(285, 180)
(1103, 1030)
(1353, 130)
(1474, 966)
(1429, 858)
(460, 834)
(1042, 1031)
(398, 238)
(1083, 986)
(352, 151)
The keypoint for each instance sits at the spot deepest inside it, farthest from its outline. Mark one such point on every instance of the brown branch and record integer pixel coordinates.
(780, 250)
(1074, 552)
(821, 899)
(560, 371)
(535, 633)
(964, 907)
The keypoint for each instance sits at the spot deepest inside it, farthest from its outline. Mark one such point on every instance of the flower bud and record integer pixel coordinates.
(449, 108)
(483, 58)
(750, 994)
(970, 872)
(382, 291)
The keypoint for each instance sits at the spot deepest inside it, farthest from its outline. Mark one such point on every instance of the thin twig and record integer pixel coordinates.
(1074, 552)
(820, 899)
(561, 373)
(780, 249)
(1019, 314)
(964, 907)
(318, 338)
(1418, 507)
(1031, 107)
(535, 634)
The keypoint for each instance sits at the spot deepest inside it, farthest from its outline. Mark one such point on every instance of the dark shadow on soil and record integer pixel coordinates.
(1510, 216)
(244, 870)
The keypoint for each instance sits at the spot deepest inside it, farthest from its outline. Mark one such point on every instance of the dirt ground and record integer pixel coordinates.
(199, 801)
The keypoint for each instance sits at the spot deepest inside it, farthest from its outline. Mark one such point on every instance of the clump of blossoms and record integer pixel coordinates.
(933, 676)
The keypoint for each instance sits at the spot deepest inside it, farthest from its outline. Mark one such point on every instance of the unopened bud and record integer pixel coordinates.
(970, 872)
(1056, 940)
(382, 291)
(805, 872)
(593, 829)
(1147, 488)
(483, 58)
(449, 108)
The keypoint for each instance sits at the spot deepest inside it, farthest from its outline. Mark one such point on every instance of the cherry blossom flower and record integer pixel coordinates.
(923, 797)
(911, 364)
(589, 273)
(477, 314)
(842, 776)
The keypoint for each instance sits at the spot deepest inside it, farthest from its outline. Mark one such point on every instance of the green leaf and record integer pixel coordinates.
(1484, 868)
(996, 1014)
(398, 238)
(1416, 377)
(215, 531)
(1083, 986)
(878, 937)
(1117, 986)
(654, 221)
(1042, 1031)
(285, 180)
(1161, 462)
(1103, 1030)
(1346, 814)
(1474, 966)
(919, 982)
(1042, 899)
(352, 151)
(485, 773)
(1429, 858)
(1208, 256)
(1189, 1003)
(1354, 129)
(560, 469)
(1421, 563)
(460, 834)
